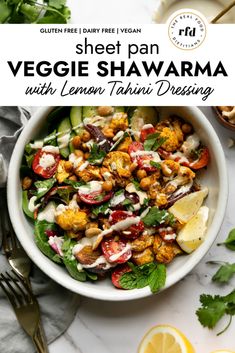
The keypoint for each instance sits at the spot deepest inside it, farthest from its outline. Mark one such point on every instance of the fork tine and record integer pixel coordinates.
(5, 289)
(26, 291)
(18, 299)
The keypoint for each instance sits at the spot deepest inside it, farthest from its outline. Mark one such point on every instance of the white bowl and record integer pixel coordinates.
(165, 8)
(215, 177)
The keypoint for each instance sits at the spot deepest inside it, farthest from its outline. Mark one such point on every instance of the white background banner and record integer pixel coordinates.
(114, 65)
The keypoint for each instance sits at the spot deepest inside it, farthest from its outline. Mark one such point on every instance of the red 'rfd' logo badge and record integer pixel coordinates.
(187, 29)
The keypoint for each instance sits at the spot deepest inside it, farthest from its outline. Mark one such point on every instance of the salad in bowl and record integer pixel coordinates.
(113, 192)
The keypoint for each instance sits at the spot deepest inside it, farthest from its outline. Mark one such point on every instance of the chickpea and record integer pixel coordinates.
(26, 183)
(107, 185)
(92, 225)
(104, 110)
(145, 183)
(186, 128)
(86, 136)
(68, 166)
(86, 155)
(73, 178)
(141, 173)
(76, 141)
(79, 153)
(133, 166)
(108, 132)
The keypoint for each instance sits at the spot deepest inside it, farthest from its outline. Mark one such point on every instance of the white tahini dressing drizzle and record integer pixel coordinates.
(116, 256)
(63, 140)
(48, 214)
(132, 189)
(51, 149)
(92, 186)
(47, 160)
(31, 206)
(191, 143)
(36, 145)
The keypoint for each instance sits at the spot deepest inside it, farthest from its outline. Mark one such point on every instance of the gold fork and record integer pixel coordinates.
(17, 257)
(24, 304)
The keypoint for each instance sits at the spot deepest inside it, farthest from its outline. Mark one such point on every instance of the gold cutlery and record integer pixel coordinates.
(18, 259)
(223, 12)
(24, 304)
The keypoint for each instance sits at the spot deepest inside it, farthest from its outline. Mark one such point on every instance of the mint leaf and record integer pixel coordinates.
(151, 274)
(100, 209)
(153, 142)
(157, 278)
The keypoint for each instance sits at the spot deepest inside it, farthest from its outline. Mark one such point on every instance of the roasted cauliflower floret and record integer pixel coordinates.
(165, 252)
(62, 173)
(169, 167)
(161, 199)
(178, 131)
(119, 163)
(142, 242)
(144, 257)
(123, 146)
(72, 219)
(171, 143)
(119, 122)
(185, 175)
(88, 174)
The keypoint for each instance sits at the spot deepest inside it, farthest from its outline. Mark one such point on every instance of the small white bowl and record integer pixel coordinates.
(215, 177)
(209, 8)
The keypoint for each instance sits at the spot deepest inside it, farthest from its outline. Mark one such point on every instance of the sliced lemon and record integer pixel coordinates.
(165, 339)
(193, 233)
(223, 351)
(185, 208)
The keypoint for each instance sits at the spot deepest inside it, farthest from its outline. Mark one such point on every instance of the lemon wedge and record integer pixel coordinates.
(185, 208)
(165, 339)
(193, 233)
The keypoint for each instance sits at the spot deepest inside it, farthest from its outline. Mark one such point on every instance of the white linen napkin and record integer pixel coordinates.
(58, 305)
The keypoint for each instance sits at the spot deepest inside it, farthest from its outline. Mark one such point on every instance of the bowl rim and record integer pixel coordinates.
(68, 282)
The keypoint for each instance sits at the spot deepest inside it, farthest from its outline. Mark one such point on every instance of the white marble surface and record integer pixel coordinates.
(104, 327)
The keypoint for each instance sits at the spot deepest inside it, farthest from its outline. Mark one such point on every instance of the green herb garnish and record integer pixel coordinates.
(155, 164)
(32, 11)
(213, 308)
(156, 217)
(153, 142)
(224, 273)
(152, 275)
(230, 241)
(96, 154)
(100, 209)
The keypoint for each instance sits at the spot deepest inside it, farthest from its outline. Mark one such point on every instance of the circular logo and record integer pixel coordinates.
(187, 29)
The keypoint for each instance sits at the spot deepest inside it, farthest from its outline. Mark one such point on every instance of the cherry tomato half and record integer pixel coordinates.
(145, 132)
(95, 197)
(131, 232)
(117, 274)
(143, 161)
(202, 161)
(116, 251)
(48, 172)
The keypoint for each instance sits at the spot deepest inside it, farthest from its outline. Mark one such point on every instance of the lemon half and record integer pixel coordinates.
(185, 208)
(165, 339)
(223, 351)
